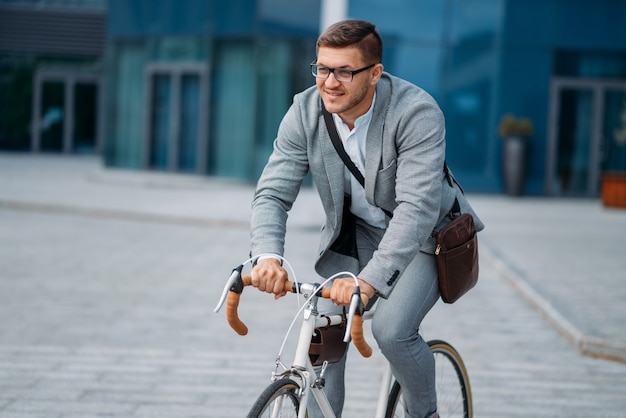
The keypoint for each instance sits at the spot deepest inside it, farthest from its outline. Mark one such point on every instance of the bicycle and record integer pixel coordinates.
(290, 390)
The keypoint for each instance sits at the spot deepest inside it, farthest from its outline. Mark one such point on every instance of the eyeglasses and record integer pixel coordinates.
(341, 74)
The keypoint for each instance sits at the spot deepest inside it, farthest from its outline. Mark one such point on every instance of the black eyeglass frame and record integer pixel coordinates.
(314, 67)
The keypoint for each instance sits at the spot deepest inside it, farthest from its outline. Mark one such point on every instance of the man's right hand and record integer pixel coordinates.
(269, 276)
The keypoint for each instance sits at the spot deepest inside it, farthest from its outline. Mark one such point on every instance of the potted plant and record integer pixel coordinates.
(514, 132)
(614, 174)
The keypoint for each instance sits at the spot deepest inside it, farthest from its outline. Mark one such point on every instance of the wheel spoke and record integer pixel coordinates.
(451, 385)
(278, 400)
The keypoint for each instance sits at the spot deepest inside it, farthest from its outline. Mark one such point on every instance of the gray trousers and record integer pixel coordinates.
(395, 326)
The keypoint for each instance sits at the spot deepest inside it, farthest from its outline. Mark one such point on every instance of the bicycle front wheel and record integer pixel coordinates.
(279, 399)
(454, 397)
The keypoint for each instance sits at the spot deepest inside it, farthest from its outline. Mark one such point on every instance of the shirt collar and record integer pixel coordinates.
(362, 120)
(367, 117)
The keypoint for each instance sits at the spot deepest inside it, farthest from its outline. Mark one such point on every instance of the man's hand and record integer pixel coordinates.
(269, 276)
(342, 290)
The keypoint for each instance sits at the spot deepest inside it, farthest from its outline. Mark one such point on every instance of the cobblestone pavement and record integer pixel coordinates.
(107, 312)
(566, 256)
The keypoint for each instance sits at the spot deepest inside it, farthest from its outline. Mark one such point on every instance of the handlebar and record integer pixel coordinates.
(232, 316)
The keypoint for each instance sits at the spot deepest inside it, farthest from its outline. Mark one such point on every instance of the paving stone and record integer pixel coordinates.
(109, 280)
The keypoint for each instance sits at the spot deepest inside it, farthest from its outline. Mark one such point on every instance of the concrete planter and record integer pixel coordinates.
(514, 149)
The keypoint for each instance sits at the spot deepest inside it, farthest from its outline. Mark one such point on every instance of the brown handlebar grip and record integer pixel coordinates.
(232, 303)
(357, 337)
(357, 327)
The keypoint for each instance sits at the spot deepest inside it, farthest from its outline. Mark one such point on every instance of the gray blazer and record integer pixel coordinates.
(405, 152)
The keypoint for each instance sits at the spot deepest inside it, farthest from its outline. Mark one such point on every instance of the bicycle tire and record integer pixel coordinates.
(281, 394)
(454, 395)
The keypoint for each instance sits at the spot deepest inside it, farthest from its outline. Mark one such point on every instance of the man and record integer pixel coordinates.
(394, 132)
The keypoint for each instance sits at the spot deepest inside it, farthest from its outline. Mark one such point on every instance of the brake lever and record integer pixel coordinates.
(355, 303)
(236, 275)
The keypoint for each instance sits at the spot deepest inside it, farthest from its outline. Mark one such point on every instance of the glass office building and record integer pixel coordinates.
(200, 86)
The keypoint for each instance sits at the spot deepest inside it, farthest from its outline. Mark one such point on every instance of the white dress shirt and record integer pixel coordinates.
(354, 144)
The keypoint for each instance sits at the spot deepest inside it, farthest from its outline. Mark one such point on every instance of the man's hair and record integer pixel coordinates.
(354, 33)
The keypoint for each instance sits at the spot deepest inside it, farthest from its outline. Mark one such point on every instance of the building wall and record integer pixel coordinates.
(482, 59)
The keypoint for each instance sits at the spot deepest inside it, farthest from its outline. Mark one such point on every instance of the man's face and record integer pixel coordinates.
(349, 99)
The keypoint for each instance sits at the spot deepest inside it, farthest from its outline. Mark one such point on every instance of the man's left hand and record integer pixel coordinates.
(342, 290)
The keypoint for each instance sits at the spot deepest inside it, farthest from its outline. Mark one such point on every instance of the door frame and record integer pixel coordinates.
(70, 77)
(598, 87)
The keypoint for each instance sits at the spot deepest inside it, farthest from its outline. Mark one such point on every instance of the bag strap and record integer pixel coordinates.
(334, 137)
(456, 209)
(450, 178)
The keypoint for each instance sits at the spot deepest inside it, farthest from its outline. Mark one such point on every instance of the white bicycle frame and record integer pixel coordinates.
(303, 369)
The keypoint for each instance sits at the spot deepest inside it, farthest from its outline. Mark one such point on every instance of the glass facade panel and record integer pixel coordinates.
(614, 130)
(126, 107)
(160, 120)
(52, 116)
(178, 49)
(234, 118)
(474, 23)
(79, 4)
(468, 84)
(590, 65)
(416, 22)
(283, 70)
(132, 19)
(85, 117)
(412, 36)
(466, 110)
(234, 18)
(575, 127)
(16, 92)
(288, 17)
(189, 122)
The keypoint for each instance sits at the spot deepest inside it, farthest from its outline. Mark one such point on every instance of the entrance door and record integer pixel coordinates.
(177, 117)
(66, 111)
(583, 112)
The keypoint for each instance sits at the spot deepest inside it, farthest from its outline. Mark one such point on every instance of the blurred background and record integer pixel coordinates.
(534, 92)
(132, 133)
